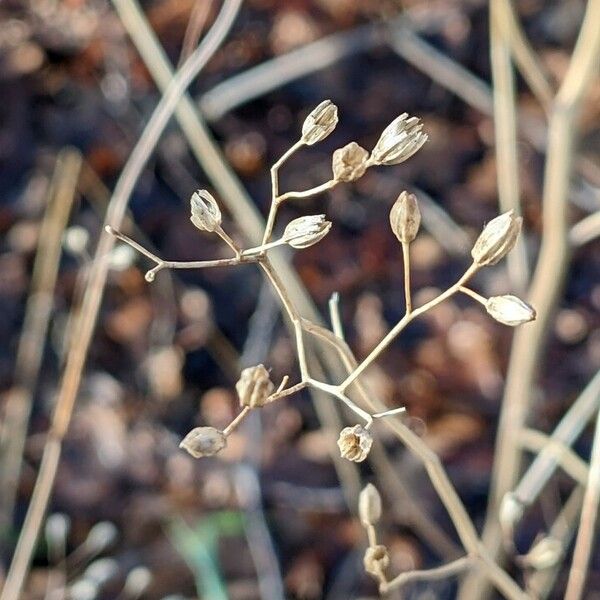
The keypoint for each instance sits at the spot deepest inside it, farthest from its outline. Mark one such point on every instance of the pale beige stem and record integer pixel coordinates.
(406, 262)
(587, 524)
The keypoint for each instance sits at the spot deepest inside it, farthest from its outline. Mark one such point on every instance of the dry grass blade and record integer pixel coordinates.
(89, 310)
(37, 316)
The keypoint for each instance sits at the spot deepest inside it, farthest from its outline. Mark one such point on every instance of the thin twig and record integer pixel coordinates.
(587, 524)
(91, 303)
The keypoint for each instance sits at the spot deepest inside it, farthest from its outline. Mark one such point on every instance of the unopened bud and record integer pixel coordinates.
(497, 239)
(355, 443)
(349, 163)
(306, 231)
(100, 536)
(510, 310)
(203, 441)
(206, 214)
(405, 217)
(399, 141)
(369, 505)
(320, 123)
(510, 512)
(544, 555)
(254, 387)
(376, 560)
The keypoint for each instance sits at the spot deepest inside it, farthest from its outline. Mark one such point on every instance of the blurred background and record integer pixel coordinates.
(131, 515)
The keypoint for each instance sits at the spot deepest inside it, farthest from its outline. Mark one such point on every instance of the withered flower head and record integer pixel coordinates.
(510, 310)
(497, 239)
(205, 211)
(355, 443)
(405, 217)
(203, 441)
(376, 560)
(399, 141)
(544, 554)
(320, 123)
(350, 162)
(254, 387)
(306, 231)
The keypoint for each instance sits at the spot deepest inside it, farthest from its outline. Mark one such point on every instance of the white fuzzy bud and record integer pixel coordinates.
(497, 239)
(203, 441)
(399, 141)
(320, 123)
(350, 162)
(369, 505)
(509, 310)
(405, 217)
(254, 387)
(206, 214)
(306, 231)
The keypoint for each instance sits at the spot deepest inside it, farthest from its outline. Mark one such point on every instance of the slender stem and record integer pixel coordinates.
(587, 524)
(469, 292)
(393, 333)
(307, 193)
(275, 189)
(406, 261)
(236, 422)
(334, 313)
(227, 239)
(452, 568)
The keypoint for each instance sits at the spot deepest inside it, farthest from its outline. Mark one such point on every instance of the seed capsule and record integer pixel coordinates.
(306, 231)
(544, 555)
(350, 162)
(405, 217)
(254, 387)
(369, 505)
(399, 141)
(204, 441)
(205, 211)
(510, 310)
(355, 443)
(319, 123)
(497, 239)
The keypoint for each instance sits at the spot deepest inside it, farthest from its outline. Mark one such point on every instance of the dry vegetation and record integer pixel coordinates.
(338, 457)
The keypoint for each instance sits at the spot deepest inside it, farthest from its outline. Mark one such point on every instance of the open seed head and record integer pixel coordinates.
(321, 121)
(203, 441)
(497, 239)
(206, 214)
(369, 505)
(254, 387)
(399, 141)
(376, 560)
(510, 310)
(355, 443)
(350, 162)
(405, 217)
(306, 231)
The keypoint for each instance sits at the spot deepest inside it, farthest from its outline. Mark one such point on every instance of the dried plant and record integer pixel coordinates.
(398, 142)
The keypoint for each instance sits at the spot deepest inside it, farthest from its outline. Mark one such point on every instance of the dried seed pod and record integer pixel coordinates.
(399, 141)
(376, 560)
(204, 441)
(544, 555)
(405, 217)
(306, 231)
(497, 239)
(355, 443)
(320, 123)
(205, 211)
(369, 505)
(509, 310)
(254, 387)
(350, 162)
